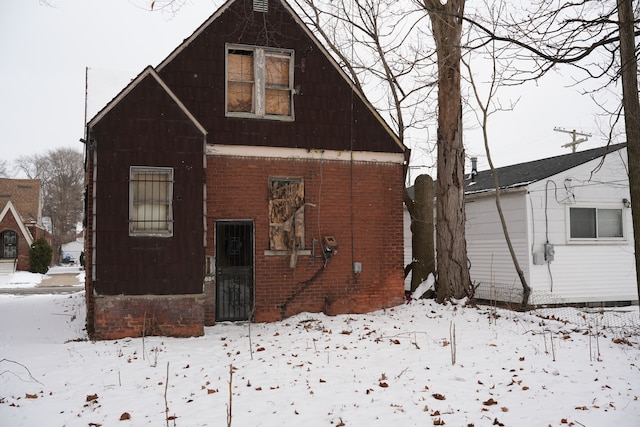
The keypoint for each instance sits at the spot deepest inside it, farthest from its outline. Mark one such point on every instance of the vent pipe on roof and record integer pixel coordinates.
(474, 168)
(261, 6)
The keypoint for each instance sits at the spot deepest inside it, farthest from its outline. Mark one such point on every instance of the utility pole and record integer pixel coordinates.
(574, 141)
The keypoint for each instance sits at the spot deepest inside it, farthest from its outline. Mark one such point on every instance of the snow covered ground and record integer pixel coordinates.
(396, 366)
(24, 279)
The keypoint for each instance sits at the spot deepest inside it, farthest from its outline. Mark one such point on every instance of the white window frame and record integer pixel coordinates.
(260, 84)
(597, 239)
(158, 227)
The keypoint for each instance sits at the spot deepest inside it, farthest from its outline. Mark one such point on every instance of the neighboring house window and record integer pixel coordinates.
(150, 196)
(259, 82)
(286, 214)
(9, 244)
(595, 223)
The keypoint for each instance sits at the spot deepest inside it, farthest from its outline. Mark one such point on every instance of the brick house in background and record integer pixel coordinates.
(243, 178)
(20, 222)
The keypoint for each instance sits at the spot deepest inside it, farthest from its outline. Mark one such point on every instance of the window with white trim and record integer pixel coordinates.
(259, 82)
(150, 201)
(596, 223)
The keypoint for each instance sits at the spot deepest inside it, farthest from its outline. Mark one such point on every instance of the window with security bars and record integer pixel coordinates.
(150, 204)
(595, 223)
(259, 82)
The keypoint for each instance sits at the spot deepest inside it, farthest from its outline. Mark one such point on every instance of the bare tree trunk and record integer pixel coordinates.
(422, 245)
(451, 246)
(631, 104)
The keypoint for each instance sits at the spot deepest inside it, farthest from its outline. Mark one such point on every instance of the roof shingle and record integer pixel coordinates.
(25, 196)
(525, 173)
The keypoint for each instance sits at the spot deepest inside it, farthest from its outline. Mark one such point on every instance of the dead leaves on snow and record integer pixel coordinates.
(490, 402)
(623, 341)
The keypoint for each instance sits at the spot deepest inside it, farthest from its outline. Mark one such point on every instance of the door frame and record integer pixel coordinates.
(235, 284)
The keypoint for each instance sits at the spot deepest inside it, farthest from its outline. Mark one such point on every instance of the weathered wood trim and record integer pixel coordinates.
(9, 207)
(303, 154)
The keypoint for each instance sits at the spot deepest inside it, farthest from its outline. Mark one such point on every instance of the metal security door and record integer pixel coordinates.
(9, 244)
(234, 270)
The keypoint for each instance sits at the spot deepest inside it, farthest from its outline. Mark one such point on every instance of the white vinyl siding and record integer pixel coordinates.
(583, 269)
(492, 268)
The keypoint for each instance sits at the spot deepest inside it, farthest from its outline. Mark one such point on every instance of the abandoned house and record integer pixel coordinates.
(243, 178)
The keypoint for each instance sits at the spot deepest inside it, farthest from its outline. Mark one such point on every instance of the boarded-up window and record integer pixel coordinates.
(150, 201)
(286, 214)
(259, 82)
(240, 81)
(277, 85)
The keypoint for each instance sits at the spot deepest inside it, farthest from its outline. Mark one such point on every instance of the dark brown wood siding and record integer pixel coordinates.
(147, 128)
(328, 114)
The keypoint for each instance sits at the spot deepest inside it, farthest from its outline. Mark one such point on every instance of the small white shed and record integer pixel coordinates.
(570, 224)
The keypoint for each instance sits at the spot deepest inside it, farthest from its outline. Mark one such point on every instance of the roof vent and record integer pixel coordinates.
(474, 168)
(261, 6)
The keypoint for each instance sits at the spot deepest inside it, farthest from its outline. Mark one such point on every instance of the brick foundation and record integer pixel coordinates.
(134, 316)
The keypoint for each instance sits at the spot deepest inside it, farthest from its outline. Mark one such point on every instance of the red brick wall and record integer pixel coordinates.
(134, 316)
(360, 204)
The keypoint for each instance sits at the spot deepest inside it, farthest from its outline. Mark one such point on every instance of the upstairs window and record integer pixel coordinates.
(259, 82)
(150, 201)
(286, 214)
(596, 223)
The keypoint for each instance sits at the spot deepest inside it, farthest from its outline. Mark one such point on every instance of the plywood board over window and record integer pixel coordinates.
(286, 214)
(240, 81)
(277, 86)
(259, 82)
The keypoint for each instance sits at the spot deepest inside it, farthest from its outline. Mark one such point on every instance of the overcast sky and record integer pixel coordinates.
(45, 51)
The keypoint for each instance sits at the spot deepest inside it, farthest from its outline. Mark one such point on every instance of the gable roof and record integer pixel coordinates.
(523, 174)
(311, 36)
(25, 197)
(9, 208)
(147, 72)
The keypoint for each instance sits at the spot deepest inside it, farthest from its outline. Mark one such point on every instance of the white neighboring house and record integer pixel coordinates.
(408, 250)
(570, 224)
